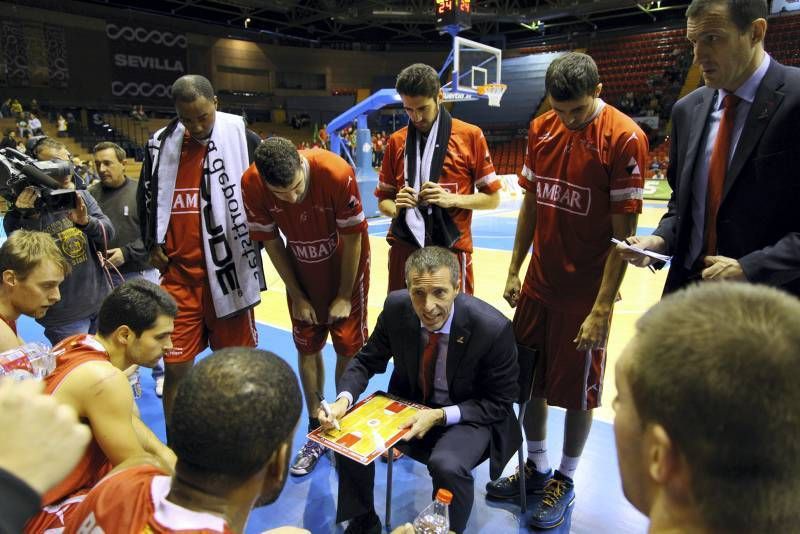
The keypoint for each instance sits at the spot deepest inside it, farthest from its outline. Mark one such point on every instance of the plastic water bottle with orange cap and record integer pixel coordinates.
(434, 519)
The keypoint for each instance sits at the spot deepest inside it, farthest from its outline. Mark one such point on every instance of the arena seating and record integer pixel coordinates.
(783, 39)
(627, 63)
(508, 156)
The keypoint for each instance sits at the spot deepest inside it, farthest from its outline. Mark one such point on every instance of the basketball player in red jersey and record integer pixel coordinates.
(583, 185)
(234, 418)
(193, 224)
(32, 267)
(312, 198)
(449, 169)
(134, 328)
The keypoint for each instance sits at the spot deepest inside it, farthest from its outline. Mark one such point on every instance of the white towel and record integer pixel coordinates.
(414, 218)
(233, 262)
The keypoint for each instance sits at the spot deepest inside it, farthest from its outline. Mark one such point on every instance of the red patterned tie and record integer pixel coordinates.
(428, 365)
(717, 168)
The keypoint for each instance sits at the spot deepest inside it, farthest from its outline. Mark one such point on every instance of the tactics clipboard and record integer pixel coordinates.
(370, 427)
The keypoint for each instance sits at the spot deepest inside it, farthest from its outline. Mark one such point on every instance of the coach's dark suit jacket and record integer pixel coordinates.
(482, 370)
(759, 217)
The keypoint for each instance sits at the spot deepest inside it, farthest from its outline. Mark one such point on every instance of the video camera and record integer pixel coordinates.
(18, 171)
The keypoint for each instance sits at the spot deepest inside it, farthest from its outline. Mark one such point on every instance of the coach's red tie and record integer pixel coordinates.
(428, 365)
(717, 168)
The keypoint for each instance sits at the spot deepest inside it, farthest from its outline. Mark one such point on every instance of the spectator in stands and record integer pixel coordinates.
(346, 141)
(61, 123)
(323, 136)
(9, 140)
(578, 196)
(31, 269)
(90, 175)
(215, 293)
(234, 418)
(352, 140)
(5, 108)
(659, 175)
(22, 145)
(34, 107)
(79, 233)
(707, 419)
(300, 120)
(16, 109)
(141, 113)
(655, 164)
(654, 107)
(134, 328)
(423, 211)
(23, 127)
(34, 124)
(71, 121)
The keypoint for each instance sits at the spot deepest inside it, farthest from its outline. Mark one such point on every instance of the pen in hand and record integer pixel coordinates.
(327, 409)
(652, 270)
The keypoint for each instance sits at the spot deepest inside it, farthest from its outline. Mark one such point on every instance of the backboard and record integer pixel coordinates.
(475, 65)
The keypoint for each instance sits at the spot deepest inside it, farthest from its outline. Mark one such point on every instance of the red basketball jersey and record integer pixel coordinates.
(467, 167)
(331, 207)
(94, 464)
(135, 500)
(580, 177)
(183, 242)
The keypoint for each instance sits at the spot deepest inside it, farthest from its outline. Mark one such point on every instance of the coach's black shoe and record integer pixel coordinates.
(368, 523)
(508, 487)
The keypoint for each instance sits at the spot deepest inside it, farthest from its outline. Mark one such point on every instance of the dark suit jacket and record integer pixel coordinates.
(759, 217)
(482, 369)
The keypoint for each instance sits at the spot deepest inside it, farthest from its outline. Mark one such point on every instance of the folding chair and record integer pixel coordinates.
(526, 357)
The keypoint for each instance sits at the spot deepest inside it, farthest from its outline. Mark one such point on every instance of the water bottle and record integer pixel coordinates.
(136, 384)
(31, 360)
(434, 519)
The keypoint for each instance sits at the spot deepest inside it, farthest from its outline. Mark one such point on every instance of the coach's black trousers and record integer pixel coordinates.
(451, 453)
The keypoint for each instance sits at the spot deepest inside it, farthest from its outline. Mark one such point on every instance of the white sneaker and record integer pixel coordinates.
(159, 386)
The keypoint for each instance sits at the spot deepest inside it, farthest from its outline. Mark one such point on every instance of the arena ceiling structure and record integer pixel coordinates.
(404, 22)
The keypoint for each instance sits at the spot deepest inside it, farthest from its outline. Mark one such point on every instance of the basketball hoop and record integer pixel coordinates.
(493, 92)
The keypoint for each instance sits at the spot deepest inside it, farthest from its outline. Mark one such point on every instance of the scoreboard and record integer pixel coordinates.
(451, 14)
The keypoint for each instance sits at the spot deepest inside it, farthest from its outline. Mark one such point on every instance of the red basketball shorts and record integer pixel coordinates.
(348, 335)
(564, 376)
(197, 326)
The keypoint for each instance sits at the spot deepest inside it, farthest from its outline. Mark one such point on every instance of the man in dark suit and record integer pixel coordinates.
(453, 353)
(734, 158)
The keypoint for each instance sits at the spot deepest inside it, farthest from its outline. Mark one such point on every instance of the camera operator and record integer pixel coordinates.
(79, 230)
(46, 148)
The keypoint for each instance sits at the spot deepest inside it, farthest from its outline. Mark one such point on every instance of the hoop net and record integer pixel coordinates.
(493, 92)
